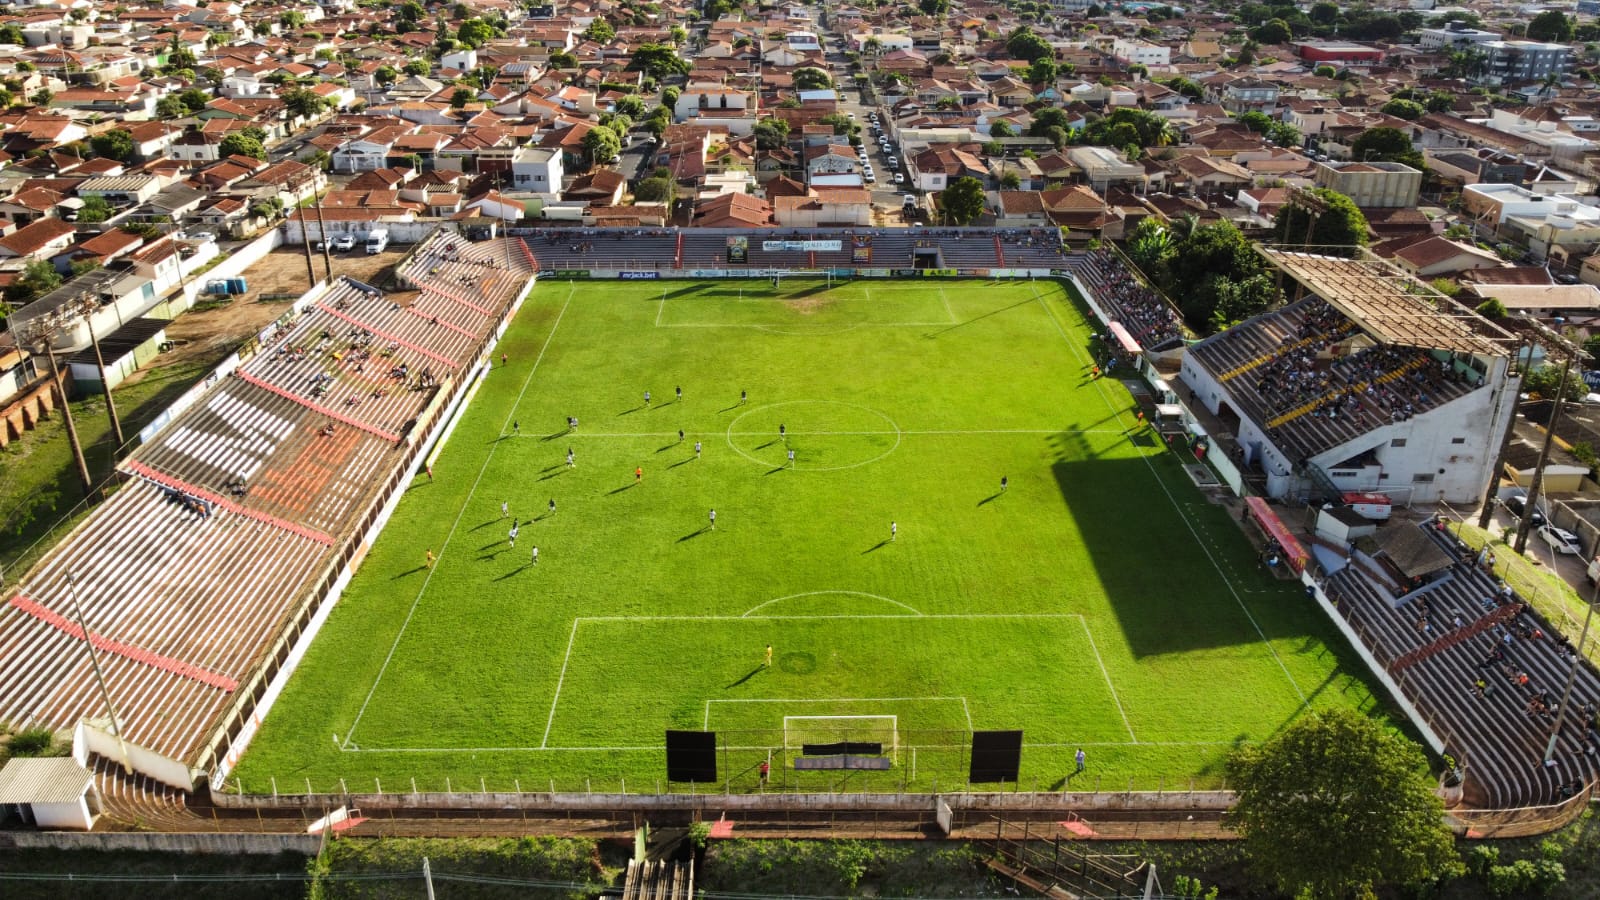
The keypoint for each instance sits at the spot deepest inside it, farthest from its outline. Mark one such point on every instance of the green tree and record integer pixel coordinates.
(632, 107)
(1043, 71)
(1340, 225)
(1324, 13)
(1239, 300)
(1284, 135)
(1272, 31)
(11, 34)
(1386, 145)
(461, 97)
(771, 134)
(655, 189)
(657, 61)
(1410, 110)
(385, 76)
(599, 31)
(1025, 43)
(1545, 381)
(292, 20)
(95, 209)
(38, 278)
(1001, 129)
(842, 124)
(475, 32)
(420, 67)
(1336, 804)
(1259, 122)
(303, 103)
(239, 143)
(1550, 25)
(1010, 180)
(933, 8)
(170, 107)
(810, 78)
(601, 145)
(41, 97)
(1325, 72)
(114, 144)
(962, 201)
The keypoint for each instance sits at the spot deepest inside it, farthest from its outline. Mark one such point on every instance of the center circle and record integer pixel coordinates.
(826, 435)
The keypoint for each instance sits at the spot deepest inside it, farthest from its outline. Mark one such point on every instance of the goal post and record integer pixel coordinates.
(799, 731)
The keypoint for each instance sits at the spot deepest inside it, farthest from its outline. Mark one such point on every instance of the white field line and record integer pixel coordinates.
(911, 609)
(571, 639)
(918, 617)
(929, 433)
(423, 588)
(662, 308)
(768, 326)
(948, 311)
(1089, 635)
(707, 722)
(1188, 523)
(656, 748)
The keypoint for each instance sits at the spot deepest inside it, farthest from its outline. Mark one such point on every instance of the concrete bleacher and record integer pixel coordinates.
(1152, 321)
(233, 511)
(1313, 381)
(1497, 739)
(658, 249)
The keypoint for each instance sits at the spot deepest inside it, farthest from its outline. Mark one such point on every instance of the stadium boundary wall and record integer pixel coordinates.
(230, 843)
(320, 603)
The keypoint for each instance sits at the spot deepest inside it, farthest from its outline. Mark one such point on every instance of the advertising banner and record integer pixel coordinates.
(800, 246)
(738, 250)
(861, 248)
(638, 276)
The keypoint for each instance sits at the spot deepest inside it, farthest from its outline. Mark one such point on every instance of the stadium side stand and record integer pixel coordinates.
(1150, 319)
(238, 507)
(1440, 638)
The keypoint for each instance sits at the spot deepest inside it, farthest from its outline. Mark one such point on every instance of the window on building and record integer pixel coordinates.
(1398, 442)
(1423, 478)
(1460, 440)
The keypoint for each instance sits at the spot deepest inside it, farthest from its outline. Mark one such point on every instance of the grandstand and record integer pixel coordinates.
(666, 250)
(1373, 382)
(1148, 317)
(236, 520)
(1439, 637)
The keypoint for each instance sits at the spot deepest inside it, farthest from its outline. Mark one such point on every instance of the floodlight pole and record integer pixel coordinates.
(99, 677)
(1572, 676)
(105, 383)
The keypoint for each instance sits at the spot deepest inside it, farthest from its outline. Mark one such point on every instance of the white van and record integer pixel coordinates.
(377, 241)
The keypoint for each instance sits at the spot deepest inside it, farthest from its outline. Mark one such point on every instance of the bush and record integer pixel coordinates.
(32, 742)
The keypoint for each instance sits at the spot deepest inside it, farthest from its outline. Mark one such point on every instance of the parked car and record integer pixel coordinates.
(1560, 539)
(344, 243)
(899, 178)
(1518, 504)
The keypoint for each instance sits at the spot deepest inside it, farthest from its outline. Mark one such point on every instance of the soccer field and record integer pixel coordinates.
(1098, 602)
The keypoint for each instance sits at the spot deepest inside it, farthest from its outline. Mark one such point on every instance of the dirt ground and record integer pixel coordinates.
(214, 332)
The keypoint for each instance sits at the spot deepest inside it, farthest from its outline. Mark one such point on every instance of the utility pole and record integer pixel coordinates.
(427, 877)
(99, 677)
(66, 408)
(1544, 456)
(105, 384)
(1486, 514)
(1572, 675)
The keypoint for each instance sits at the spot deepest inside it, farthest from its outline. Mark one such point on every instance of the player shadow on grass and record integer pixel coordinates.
(556, 474)
(556, 434)
(747, 676)
(409, 572)
(694, 534)
(990, 499)
(628, 412)
(776, 470)
(682, 462)
(878, 546)
(486, 524)
(626, 487)
(515, 572)
(668, 446)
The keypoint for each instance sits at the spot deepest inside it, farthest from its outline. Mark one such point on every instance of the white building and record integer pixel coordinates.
(1423, 425)
(1454, 35)
(537, 169)
(1141, 52)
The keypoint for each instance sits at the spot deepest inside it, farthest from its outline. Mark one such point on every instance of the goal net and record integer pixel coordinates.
(800, 732)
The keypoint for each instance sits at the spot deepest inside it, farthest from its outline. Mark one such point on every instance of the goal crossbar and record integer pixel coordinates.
(799, 731)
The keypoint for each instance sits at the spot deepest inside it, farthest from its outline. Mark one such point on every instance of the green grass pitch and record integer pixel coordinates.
(1099, 602)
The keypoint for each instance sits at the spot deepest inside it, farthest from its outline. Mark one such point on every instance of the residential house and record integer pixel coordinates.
(734, 211)
(1380, 184)
(537, 169)
(600, 187)
(40, 239)
(846, 207)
